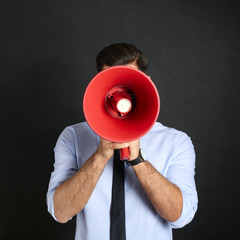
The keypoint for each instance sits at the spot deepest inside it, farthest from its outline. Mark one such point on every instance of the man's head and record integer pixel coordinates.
(121, 54)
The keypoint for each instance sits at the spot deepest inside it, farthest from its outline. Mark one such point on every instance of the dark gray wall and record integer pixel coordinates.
(47, 58)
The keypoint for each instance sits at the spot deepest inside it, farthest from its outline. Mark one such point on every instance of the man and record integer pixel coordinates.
(160, 193)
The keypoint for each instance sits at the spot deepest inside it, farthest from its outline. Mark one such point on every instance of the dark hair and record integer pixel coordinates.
(121, 54)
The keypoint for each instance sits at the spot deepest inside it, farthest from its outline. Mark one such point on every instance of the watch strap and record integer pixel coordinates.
(135, 161)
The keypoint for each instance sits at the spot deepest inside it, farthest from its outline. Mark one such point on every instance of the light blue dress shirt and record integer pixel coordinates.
(170, 151)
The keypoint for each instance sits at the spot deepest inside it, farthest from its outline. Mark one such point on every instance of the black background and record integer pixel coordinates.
(48, 51)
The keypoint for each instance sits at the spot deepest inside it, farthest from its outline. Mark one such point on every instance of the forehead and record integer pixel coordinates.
(133, 64)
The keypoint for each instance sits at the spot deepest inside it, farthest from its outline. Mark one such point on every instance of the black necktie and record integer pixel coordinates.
(117, 213)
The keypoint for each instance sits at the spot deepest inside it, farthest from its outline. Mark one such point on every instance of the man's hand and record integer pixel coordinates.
(134, 149)
(106, 149)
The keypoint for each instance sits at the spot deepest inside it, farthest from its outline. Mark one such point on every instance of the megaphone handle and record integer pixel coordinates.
(124, 154)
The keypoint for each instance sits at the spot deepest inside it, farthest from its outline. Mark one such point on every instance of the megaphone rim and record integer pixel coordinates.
(128, 139)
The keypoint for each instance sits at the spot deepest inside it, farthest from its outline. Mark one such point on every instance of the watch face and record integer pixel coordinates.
(142, 155)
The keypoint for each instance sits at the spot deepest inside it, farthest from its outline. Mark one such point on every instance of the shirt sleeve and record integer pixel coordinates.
(181, 173)
(65, 165)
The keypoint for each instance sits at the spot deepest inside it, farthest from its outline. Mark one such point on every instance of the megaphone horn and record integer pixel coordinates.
(121, 104)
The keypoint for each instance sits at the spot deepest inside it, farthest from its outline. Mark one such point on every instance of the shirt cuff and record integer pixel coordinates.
(50, 205)
(188, 210)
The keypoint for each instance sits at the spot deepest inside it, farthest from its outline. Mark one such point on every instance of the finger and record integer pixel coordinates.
(104, 141)
(135, 143)
(134, 149)
(119, 145)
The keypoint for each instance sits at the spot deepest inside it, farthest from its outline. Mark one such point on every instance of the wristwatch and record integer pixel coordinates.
(141, 158)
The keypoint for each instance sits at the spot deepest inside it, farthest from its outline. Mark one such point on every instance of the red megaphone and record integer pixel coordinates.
(121, 104)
